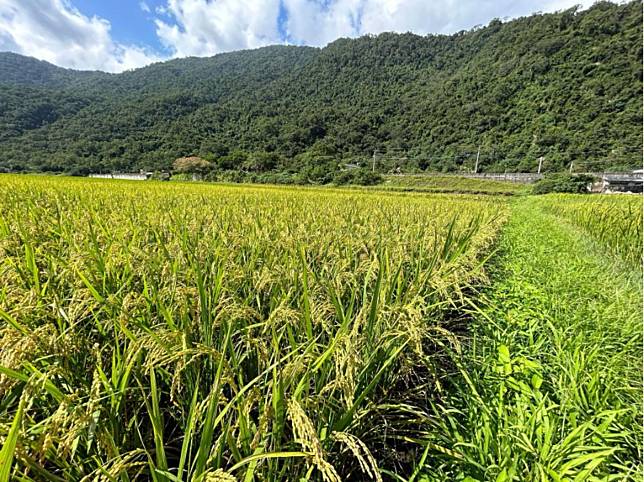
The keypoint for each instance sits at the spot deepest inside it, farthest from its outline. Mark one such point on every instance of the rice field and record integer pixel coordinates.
(214, 333)
(614, 221)
(451, 184)
(217, 333)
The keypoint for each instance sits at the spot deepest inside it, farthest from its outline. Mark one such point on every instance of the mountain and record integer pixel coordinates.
(566, 86)
(20, 70)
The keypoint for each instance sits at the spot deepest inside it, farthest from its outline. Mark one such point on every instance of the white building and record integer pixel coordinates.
(131, 176)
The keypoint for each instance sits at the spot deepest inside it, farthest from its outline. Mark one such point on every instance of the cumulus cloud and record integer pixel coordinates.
(206, 27)
(55, 31)
(315, 22)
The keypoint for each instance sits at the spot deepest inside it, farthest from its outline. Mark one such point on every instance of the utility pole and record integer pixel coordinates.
(476, 165)
(373, 164)
(571, 163)
(540, 164)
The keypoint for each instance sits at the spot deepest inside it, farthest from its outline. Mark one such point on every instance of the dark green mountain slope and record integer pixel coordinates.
(20, 70)
(566, 86)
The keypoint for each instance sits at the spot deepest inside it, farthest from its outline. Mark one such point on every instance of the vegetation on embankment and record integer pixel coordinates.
(549, 385)
(452, 183)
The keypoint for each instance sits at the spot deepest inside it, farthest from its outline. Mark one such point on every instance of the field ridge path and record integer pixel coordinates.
(550, 386)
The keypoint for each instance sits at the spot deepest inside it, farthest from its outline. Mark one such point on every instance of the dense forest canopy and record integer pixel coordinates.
(566, 86)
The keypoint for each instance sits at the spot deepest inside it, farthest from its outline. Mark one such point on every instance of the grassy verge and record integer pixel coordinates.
(451, 184)
(550, 386)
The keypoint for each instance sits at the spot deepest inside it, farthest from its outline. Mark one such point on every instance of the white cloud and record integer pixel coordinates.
(55, 31)
(315, 22)
(206, 27)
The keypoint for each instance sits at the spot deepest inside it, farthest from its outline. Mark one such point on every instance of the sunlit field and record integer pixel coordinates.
(170, 332)
(614, 221)
(199, 332)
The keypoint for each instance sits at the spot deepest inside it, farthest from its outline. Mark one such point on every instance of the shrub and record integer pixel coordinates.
(362, 177)
(561, 182)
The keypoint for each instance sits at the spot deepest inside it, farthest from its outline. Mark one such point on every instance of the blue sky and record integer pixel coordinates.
(117, 35)
(130, 23)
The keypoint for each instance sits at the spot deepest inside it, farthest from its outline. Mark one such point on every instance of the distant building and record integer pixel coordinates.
(632, 182)
(130, 176)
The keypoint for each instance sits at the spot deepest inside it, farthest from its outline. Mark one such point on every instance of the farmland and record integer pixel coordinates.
(451, 184)
(194, 332)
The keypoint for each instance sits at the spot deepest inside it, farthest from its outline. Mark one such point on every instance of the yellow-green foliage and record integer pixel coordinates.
(615, 221)
(196, 332)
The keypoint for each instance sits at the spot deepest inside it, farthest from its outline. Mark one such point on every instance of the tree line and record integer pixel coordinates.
(566, 86)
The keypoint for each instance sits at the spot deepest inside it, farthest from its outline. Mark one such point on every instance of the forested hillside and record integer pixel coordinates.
(566, 86)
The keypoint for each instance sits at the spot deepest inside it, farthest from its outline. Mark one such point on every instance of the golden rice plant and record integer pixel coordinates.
(614, 221)
(175, 332)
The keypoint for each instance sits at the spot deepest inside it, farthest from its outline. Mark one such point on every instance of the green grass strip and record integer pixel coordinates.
(550, 387)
